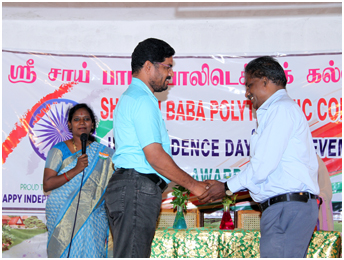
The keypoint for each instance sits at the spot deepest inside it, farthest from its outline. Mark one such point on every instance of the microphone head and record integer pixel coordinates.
(83, 137)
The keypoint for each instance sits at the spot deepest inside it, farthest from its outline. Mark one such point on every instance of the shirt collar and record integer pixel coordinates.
(139, 83)
(274, 97)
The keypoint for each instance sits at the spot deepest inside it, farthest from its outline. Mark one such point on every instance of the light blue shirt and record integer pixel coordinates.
(137, 123)
(282, 154)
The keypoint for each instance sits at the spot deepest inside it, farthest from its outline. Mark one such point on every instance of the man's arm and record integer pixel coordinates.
(164, 164)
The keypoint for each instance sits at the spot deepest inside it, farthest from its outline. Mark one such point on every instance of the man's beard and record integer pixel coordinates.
(159, 87)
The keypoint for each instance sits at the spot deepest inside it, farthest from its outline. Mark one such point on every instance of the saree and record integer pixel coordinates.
(91, 225)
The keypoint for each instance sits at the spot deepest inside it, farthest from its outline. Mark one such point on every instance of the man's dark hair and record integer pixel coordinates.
(269, 67)
(73, 109)
(151, 49)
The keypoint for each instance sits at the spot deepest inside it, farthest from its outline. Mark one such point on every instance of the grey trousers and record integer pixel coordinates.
(286, 228)
(133, 205)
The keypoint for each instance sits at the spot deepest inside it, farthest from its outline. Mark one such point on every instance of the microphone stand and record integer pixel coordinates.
(76, 213)
(83, 139)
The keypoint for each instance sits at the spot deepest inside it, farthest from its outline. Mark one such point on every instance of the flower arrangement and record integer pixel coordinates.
(229, 200)
(181, 196)
(226, 221)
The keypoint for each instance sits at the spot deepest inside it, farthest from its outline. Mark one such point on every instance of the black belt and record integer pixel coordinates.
(298, 196)
(153, 177)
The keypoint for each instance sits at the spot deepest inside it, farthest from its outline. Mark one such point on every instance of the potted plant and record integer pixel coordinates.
(181, 197)
(226, 221)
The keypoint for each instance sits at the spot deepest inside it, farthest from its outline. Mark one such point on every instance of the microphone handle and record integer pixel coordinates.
(83, 147)
(83, 139)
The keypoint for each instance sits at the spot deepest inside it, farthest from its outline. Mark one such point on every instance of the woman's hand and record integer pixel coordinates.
(82, 163)
(53, 181)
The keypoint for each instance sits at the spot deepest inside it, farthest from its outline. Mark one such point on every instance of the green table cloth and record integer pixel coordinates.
(215, 243)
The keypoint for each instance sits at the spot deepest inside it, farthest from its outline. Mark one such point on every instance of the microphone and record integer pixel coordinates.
(83, 139)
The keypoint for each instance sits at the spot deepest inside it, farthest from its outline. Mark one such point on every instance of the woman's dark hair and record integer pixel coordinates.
(267, 66)
(151, 49)
(73, 109)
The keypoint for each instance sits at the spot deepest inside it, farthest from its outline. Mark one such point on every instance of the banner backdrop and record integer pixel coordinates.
(208, 118)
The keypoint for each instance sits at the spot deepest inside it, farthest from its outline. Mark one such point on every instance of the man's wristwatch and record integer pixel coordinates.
(227, 190)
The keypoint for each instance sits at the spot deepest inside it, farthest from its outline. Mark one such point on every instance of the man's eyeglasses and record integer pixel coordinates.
(169, 67)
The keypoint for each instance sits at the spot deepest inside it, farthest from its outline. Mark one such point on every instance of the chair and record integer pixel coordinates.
(248, 219)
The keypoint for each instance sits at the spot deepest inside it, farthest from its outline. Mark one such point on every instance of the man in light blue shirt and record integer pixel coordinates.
(142, 158)
(139, 115)
(282, 174)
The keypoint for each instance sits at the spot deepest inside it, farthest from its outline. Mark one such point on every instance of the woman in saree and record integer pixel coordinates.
(65, 168)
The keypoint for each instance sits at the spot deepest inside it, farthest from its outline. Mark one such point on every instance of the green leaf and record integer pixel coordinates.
(181, 195)
(229, 200)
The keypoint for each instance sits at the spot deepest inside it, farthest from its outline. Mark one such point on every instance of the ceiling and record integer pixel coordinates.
(163, 11)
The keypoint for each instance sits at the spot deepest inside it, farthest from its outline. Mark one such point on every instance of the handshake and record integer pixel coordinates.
(209, 191)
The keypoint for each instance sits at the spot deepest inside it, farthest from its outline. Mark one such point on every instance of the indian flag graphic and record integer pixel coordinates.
(103, 156)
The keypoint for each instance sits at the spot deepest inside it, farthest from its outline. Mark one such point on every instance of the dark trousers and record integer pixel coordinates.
(133, 205)
(286, 229)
